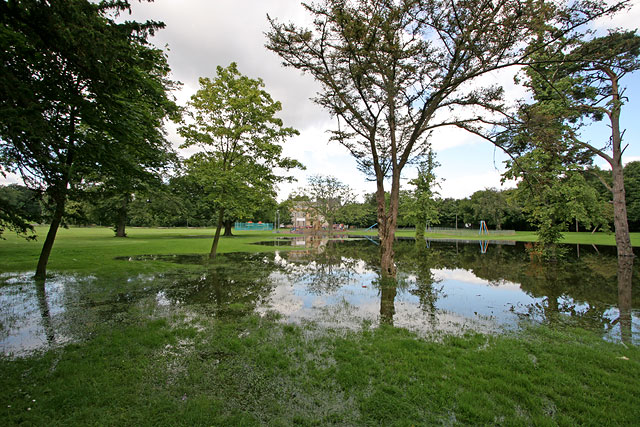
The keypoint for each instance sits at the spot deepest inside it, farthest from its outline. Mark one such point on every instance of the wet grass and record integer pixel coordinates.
(191, 366)
(256, 371)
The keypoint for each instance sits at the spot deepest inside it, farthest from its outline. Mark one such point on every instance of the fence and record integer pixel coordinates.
(252, 226)
(467, 231)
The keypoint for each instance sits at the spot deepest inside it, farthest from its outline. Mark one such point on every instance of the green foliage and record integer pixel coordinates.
(18, 207)
(82, 95)
(552, 197)
(419, 206)
(326, 196)
(632, 189)
(232, 120)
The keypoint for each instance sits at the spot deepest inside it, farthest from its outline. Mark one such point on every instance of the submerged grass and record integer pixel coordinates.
(186, 367)
(256, 371)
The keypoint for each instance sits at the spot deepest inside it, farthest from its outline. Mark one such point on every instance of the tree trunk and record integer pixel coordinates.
(421, 224)
(214, 247)
(122, 218)
(623, 241)
(227, 228)
(625, 280)
(388, 293)
(387, 220)
(41, 269)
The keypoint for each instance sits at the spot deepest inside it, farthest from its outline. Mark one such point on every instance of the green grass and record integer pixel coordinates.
(587, 238)
(95, 249)
(254, 371)
(237, 368)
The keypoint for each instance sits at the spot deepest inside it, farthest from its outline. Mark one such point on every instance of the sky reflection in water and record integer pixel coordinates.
(443, 288)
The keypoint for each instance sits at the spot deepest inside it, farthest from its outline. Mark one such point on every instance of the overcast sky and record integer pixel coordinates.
(202, 34)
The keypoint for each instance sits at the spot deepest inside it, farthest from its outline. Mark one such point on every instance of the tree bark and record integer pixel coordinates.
(625, 280)
(620, 222)
(387, 220)
(41, 269)
(421, 224)
(122, 218)
(388, 293)
(227, 228)
(214, 247)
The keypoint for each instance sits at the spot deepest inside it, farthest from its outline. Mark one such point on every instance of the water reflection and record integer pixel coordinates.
(440, 287)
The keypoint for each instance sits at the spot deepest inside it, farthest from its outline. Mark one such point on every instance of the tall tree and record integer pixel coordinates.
(233, 121)
(572, 87)
(392, 71)
(71, 80)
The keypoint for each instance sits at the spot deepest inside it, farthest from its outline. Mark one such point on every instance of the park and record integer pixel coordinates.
(155, 271)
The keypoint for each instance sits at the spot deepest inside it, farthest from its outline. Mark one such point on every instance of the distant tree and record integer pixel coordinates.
(392, 71)
(19, 206)
(449, 212)
(72, 84)
(422, 208)
(357, 214)
(490, 205)
(632, 191)
(552, 197)
(232, 120)
(326, 195)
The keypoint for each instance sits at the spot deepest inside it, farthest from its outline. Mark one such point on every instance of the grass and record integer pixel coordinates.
(95, 249)
(188, 367)
(587, 238)
(254, 371)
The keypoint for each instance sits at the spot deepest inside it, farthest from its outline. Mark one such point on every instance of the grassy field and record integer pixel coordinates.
(187, 367)
(587, 238)
(78, 249)
(95, 248)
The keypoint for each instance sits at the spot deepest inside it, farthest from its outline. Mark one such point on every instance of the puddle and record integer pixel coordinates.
(442, 287)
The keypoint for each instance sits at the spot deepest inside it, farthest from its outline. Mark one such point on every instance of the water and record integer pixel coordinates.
(441, 287)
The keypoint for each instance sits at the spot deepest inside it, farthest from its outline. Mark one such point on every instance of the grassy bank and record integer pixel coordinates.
(254, 371)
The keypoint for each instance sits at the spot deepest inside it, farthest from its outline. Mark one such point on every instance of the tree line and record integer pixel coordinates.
(84, 97)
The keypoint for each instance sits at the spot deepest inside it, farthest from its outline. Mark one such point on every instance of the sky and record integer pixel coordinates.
(203, 34)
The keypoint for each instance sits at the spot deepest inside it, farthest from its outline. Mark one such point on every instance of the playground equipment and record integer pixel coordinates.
(483, 228)
(371, 227)
(247, 226)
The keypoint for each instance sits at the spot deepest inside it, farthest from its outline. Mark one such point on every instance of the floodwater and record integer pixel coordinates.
(441, 287)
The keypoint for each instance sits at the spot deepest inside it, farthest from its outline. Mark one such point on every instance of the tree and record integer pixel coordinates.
(553, 197)
(572, 87)
(18, 207)
(490, 205)
(326, 196)
(632, 192)
(233, 122)
(422, 208)
(392, 71)
(73, 82)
